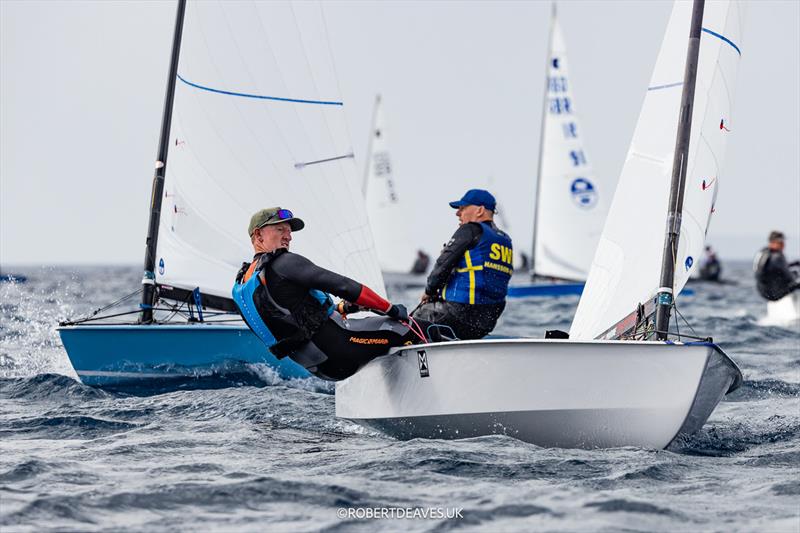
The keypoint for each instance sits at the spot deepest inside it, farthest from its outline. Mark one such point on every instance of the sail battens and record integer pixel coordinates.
(724, 39)
(328, 160)
(258, 96)
(667, 86)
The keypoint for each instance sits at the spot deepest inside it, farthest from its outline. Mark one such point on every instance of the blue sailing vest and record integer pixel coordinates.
(483, 273)
(244, 294)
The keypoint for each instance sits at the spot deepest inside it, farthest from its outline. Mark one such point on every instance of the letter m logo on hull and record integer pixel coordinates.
(422, 358)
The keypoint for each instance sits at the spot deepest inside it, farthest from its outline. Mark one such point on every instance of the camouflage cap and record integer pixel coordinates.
(274, 215)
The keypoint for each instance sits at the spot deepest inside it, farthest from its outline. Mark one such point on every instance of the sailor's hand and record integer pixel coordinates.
(398, 312)
(425, 298)
(345, 308)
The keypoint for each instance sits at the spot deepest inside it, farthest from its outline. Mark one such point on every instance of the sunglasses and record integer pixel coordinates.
(282, 214)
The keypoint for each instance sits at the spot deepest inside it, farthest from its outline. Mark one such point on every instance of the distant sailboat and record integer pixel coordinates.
(571, 202)
(395, 245)
(252, 119)
(623, 378)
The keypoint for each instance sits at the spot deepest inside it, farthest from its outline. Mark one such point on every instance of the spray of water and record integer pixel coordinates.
(29, 314)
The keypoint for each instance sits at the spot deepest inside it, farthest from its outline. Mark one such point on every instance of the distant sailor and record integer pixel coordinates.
(283, 297)
(421, 263)
(774, 277)
(711, 268)
(467, 287)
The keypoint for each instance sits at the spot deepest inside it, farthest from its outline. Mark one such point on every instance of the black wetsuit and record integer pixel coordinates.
(467, 321)
(337, 347)
(774, 278)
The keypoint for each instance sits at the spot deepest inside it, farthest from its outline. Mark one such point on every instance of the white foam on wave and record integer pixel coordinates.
(29, 342)
(270, 376)
(784, 312)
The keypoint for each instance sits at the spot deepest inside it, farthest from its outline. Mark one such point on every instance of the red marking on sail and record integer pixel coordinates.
(708, 185)
(722, 125)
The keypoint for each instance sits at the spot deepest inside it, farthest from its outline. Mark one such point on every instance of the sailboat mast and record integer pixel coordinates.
(149, 278)
(368, 164)
(541, 138)
(665, 297)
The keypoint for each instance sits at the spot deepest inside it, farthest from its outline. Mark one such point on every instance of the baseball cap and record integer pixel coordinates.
(476, 197)
(274, 215)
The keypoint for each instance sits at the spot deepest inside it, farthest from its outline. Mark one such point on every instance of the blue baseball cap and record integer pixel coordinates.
(476, 197)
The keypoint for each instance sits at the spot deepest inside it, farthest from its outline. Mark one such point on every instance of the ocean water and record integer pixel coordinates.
(270, 455)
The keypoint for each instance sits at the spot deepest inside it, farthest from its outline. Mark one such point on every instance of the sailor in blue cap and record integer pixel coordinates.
(466, 290)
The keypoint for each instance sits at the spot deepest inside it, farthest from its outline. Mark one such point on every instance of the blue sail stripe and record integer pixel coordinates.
(667, 86)
(710, 32)
(717, 35)
(258, 96)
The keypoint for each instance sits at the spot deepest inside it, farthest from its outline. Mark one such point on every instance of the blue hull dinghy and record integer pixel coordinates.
(231, 153)
(113, 356)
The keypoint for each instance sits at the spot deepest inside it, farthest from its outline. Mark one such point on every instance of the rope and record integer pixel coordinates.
(414, 326)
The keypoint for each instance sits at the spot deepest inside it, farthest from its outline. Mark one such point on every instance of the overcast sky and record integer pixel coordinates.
(82, 86)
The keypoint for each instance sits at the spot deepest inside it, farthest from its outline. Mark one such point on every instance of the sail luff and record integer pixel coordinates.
(665, 291)
(541, 138)
(148, 280)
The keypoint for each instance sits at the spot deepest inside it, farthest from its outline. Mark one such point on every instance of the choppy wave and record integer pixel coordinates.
(245, 449)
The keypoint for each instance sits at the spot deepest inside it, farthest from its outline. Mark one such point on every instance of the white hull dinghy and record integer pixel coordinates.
(619, 379)
(554, 393)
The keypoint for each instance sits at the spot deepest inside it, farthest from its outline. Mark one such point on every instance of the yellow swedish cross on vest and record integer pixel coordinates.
(471, 269)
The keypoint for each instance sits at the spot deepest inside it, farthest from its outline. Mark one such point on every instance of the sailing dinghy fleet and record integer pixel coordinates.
(249, 95)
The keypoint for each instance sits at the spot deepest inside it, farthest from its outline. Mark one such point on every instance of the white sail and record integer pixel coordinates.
(396, 249)
(258, 122)
(627, 265)
(571, 203)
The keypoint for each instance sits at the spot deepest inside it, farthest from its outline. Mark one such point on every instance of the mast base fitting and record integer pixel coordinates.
(664, 298)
